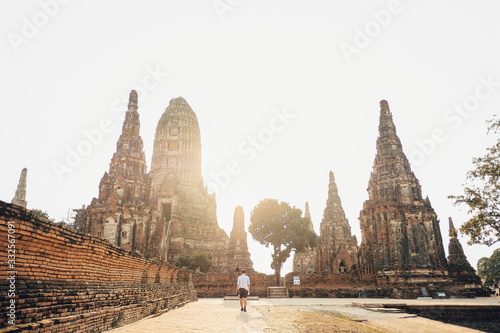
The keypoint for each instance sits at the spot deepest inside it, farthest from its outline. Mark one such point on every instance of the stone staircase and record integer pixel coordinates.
(277, 292)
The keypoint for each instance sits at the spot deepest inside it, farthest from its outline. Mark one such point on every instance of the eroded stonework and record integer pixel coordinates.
(399, 228)
(336, 250)
(306, 260)
(337, 246)
(238, 255)
(458, 265)
(121, 212)
(168, 211)
(178, 196)
(20, 196)
(401, 251)
(69, 282)
(164, 212)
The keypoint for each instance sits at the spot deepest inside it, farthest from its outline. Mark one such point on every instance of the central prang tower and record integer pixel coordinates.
(178, 195)
(400, 230)
(177, 148)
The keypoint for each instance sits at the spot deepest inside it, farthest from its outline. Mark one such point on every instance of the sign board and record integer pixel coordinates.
(296, 280)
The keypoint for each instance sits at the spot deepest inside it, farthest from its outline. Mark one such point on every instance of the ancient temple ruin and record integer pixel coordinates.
(458, 266)
(179, 199)
(337, 248)
(400, 230)
(120, 213)
(167, 211)
(305, 261)
(20, 196)
(238, 254)
(402, 248)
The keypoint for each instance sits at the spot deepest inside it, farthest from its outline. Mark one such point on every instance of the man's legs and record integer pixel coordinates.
(243, 299)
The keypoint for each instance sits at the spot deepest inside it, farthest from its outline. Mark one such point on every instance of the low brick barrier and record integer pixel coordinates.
(54, 279)
(328, 285)
(219, 285)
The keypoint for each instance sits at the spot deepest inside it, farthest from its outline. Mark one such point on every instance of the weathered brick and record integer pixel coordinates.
(70, 282)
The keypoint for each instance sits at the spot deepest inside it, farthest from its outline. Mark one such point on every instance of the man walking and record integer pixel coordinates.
(243, 286)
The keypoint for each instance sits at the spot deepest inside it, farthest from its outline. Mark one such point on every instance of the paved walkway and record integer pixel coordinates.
(217, 315)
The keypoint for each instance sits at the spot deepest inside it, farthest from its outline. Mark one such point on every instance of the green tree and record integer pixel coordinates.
(42, 214)
(482, 195)
(276, 224)
(195, 260)
(488, 269)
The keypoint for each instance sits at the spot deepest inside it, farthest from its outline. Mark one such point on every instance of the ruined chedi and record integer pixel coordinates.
(164, 212)
(20, 195)
(400, 230)
(178, 194)
(305, 260)
(238, 255)
(459, 267)
(337, 250)
(120, 213)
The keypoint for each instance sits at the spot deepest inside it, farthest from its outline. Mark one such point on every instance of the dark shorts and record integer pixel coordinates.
(243, 293)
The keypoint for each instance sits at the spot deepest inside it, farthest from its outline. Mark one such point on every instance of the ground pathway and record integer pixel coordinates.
(296, 315)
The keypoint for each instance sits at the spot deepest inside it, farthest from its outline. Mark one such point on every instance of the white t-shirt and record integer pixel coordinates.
(243, 281)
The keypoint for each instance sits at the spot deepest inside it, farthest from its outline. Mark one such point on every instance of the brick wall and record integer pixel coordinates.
(373, 286)
(220, 285)
(65, 281)
(324, 285)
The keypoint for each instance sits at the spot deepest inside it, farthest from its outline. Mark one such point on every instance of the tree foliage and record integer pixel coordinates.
(482, 195)
(195, 260)
(276, 224)
(488, 269)
(41, 213)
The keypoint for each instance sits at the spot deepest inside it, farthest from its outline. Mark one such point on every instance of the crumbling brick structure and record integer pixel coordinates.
(59, 280)
(400, 230)
(167, 211)
(401, 252)
(337, 248)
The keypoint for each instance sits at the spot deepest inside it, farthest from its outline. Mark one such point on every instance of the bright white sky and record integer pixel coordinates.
(67, 68)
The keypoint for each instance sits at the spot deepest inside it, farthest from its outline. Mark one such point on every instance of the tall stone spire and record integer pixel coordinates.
(122, 191)
(238, 221)
(307, 214)
(20, 196)
(305, 260)
(238, 255)
(400, 230)
(459, 267)
(338, 247)
(452, 231)
(130, 144)
(392, 180)
(128, 166)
